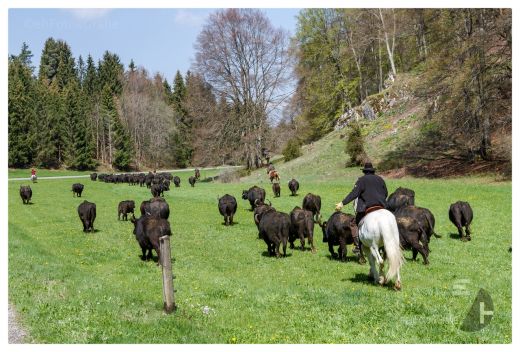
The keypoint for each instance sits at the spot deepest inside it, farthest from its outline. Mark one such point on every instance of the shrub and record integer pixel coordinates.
(292, 149)
(355, 145)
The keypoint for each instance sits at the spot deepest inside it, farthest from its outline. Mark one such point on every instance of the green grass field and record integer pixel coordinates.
(71, 287)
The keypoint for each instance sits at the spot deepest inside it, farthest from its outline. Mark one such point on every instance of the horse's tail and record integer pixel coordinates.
(393, 249)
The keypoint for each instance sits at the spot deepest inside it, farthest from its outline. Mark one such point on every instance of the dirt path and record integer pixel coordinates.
(17, 334)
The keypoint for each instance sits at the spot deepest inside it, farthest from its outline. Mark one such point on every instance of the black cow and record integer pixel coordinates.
(401, 197)
(461, 215)
(156, 190)
(412, 236)
(177, 181)
(227, 206)
(197, 174)
(274, 228)
(312, 202)
(422, 215)
(93, 176)
(294, 186)
(26, 194)
(155, 207)
(125, 207)
(337, 230)
(255, 195)
(148, 230)
(192, 181)
(77, 189)
(87, 215)
(148, 180)
(260, 208)
(142, 180)
(276, 189)
(165, 185)
(302, 226)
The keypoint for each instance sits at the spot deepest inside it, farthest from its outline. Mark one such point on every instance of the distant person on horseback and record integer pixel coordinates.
(33, 175)
(371, 193)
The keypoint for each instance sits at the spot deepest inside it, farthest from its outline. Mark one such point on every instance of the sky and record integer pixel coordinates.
(160, 40)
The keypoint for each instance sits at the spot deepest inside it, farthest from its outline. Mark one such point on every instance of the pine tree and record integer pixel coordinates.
(79, 150)
(81, 70)
(47, 110)
(49, 61)
(167, 92)
(110, 73)
(181, 138)
(90, 78)
(131, 66)
(22, 115)
(179, 92)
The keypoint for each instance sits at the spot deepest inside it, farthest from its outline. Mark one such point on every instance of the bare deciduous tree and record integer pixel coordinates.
(246, 59)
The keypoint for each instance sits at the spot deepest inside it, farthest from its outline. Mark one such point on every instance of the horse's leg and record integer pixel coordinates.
(374, 251)
(372, 274)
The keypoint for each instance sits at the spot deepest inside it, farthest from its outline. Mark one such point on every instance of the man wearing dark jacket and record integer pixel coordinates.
(370, 191)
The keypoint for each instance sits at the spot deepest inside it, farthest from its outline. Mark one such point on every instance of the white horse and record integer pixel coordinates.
(377, 229)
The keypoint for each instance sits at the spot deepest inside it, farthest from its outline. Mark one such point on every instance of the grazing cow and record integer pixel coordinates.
(192, 181)
(148, 230)
(155, 207)
(177, 181)
(227, 206)
(87, 215)
(255, 195)
(461, 215)
(401, 197)
(338, 230)
(276, 189)
(93, 176)
(77, 189)
(274, 228)
(125, 207)
(26, 194)
(197, 174)
(423, 216)
(156, 190)
(412, 236)
(273, 175)
(312, 202)
(302, 226)
(294, 186)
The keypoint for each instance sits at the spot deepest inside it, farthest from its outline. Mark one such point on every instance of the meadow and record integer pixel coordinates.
(71, 287)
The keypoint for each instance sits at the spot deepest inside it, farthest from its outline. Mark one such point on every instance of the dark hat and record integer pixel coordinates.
(368, 168)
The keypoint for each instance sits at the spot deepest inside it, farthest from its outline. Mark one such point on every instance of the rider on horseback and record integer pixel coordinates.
(33, 175)
(370, 191)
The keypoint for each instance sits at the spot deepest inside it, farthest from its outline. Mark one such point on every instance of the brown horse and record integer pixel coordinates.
(273, 175)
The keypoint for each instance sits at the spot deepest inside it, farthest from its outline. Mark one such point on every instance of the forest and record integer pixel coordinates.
(237, 100)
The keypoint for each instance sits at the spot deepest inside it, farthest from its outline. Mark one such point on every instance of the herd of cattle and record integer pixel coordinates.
(416, 224)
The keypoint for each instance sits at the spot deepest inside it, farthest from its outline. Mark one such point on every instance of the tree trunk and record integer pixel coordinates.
(390, 50)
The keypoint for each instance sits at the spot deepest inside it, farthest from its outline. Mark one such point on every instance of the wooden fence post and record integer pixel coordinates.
(166, 263)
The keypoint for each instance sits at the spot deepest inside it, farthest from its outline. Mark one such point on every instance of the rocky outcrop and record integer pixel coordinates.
(395, 95)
